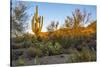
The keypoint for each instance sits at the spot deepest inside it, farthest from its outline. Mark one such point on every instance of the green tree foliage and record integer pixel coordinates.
(78, 19)
(19, 17)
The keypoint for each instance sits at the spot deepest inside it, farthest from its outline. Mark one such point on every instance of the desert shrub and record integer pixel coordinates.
(63, 41)
(57, 48)
(93, 36)
(20, 61)
(26, 44)
(44, 48)
(15, 54)
(51, 49)
(75, 56)
(16, 46)
(90, 42)
(17, 39)
(88, 55)
(68, 41)
(32, 52)
(83, 56)
(34, 39)
(70, 50)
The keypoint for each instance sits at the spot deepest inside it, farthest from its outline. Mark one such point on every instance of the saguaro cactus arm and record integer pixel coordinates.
(36, 14)
(33, 24)
(40, 23)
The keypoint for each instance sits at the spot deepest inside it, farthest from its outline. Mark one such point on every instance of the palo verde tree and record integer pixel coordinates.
(78, 19)
(19, 17)
(37, 22)
(53, 26)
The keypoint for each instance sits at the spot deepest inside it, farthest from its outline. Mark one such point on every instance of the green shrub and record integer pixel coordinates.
(83, 56)
(26, 44)
(32, 52)
(15, 54)
(20, 61)
(67, 41)
(16, 46)
(46, 47)
(75, 56)
(57, 48)
(18, 39)
(51, 49)
(88, 55)
(34, 39)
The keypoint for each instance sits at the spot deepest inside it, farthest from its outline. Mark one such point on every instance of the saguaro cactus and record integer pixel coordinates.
(37, 22)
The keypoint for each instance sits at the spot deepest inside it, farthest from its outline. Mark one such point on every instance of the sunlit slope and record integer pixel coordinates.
(66, 32)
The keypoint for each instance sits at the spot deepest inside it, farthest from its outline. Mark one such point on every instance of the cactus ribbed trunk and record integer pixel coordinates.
(37, 22)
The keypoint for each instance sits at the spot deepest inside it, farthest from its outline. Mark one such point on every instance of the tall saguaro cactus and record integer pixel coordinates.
(37, 22)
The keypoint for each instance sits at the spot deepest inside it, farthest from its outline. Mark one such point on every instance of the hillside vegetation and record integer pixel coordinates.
(74, 40)
(67, 32)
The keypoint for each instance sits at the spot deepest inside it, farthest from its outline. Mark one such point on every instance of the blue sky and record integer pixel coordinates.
(56, 11)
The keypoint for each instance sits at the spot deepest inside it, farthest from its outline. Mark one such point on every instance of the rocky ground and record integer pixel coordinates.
(56, 59)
